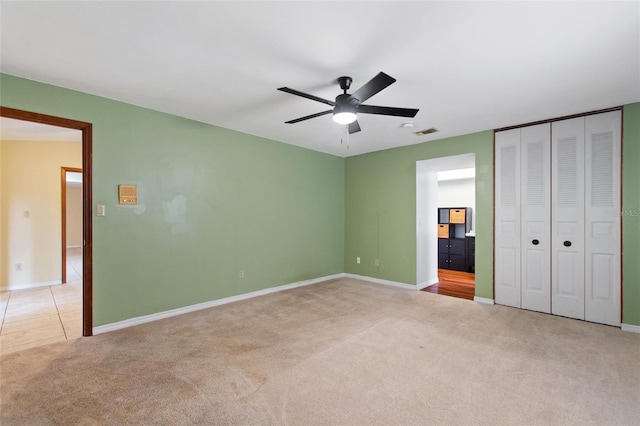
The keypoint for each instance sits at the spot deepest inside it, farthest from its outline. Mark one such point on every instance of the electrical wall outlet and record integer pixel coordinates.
(241, 274)
(358, 259)
(376, 262)
(18, 266)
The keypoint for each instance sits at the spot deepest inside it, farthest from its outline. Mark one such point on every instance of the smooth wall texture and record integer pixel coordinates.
(74, 215)
(212, 202)
(31, 227)
(381, 209)
(631, 214)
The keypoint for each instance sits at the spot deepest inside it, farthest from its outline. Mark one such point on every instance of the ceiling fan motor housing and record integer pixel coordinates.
(344, 108)
(347, 99)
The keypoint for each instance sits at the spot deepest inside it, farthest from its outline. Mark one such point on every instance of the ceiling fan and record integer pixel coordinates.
(347, 106)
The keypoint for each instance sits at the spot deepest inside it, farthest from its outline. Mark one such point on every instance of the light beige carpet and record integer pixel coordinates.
(341, 352)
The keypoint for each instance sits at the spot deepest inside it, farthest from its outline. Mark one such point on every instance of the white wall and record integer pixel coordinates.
(426, 230)
(30, 230)
(458, 193)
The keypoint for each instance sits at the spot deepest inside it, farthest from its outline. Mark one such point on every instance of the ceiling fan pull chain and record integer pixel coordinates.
(347, 131)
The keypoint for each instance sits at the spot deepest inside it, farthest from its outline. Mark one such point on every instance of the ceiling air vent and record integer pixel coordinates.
(425, 131)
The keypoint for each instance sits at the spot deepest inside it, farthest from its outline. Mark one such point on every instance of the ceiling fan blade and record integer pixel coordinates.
(354, 127)
(306, 95)
(309, 116)
(382, 110)
(373, 86)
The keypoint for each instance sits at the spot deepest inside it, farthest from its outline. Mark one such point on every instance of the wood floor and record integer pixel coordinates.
(454, 283)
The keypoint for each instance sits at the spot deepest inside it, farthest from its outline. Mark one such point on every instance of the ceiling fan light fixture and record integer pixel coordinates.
(344, 114)
(344, 117)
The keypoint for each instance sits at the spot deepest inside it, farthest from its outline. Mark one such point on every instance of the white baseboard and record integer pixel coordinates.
(26, 286)
(427, 283)
(631, 328)
(380, 281)
(483, 300)
(184, 310)
(70, 247)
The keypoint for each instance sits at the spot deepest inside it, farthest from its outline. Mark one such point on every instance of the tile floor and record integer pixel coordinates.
(42, 315)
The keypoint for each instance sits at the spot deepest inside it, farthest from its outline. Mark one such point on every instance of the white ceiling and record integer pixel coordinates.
(20, 130)
(468, 66)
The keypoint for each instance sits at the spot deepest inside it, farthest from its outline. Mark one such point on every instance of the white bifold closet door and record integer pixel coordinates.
(522, 238)
(567, 195)
(507, 218)
(557, 218)
(586, 240)
(603, 199)
(536, 221)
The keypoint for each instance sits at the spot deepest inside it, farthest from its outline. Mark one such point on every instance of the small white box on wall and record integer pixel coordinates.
(128, 194)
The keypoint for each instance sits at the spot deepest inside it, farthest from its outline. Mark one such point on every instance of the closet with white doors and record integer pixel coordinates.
(557, 217)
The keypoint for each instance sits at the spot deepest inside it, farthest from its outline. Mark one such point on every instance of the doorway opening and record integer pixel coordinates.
(445, 228)
(87, 233)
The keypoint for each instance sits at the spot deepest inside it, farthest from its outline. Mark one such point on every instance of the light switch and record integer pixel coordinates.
(100, 210)
(26, 214)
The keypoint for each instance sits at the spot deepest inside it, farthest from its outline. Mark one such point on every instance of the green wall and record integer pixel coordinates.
(631, 214)
(215, 201)
(381, 209)
(212, 202)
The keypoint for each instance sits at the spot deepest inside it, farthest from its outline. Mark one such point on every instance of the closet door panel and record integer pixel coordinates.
(535, 217)
(507, 218)
(567, 213)
(602, 217)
